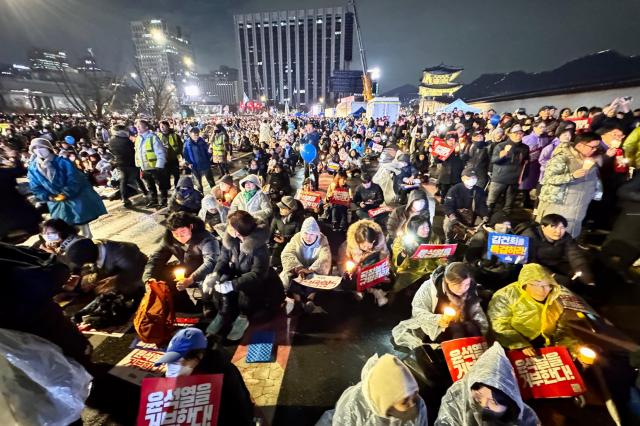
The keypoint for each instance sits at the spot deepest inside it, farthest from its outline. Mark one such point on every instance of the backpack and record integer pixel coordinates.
(155, 317)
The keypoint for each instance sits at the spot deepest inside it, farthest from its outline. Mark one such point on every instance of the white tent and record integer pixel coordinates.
(460, 105)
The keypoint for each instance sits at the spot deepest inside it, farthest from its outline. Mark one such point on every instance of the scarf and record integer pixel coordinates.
(248, 195)
(46, 167)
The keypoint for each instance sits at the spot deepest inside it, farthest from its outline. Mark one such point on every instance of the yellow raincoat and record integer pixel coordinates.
(517, 319)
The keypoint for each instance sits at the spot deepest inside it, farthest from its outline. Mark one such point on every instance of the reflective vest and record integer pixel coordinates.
(150, 158)
(173, 141)
(218, 144)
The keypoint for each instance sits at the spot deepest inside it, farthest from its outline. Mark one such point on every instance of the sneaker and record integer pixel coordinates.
(215, 325)
(240, 325)
(127, 204)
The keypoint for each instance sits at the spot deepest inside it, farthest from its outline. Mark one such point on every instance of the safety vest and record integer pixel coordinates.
(150, 158)
(173, 141)
(217, 144)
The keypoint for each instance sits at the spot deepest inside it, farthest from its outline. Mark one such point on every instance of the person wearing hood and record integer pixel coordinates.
(306, 253)
(476, 157)
(225, 192)
(219, 143)
(565, 132)
(528, 315)
(196, 250)
(242, 283)
(197, 156)
(210, 214)
(185, 198)
(407, 270)
(365, 242)
(67, 192)
(386, 395)
(417, 203)
(252, 200)
(403, 181)
(124, 153)
(189, 354)
(284, 225)
(466, 204)
(450, 286)
(487, 395)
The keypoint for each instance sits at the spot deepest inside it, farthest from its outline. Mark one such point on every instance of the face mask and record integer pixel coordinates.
(616, 143)
(51, 237)
(418, 205)
(176, 369)
(41, 152)
(405, 416)
(470, 183)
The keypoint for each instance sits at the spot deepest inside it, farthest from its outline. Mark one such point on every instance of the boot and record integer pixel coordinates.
(151, 202)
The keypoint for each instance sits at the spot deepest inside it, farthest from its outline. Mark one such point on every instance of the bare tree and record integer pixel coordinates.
(157, 95)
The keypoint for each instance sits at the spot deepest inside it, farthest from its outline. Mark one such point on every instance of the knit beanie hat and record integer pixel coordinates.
(389, 382)
(40, 143)
(310, 226)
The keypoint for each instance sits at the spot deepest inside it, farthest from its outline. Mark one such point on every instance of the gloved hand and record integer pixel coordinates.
(224, 288)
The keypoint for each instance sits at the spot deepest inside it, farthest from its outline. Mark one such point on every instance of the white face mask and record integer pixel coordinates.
(41, 152)
(175, 369)
(50, 237)
(418, 205)
(470, 183)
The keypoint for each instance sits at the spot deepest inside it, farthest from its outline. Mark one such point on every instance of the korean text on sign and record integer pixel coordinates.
(309, 199)
(552, 374)
(508, 248)
(373, 274)
(462, 354)
(185, 400)
(379, 210)
(341, 197)
(441, 149)
(434, 251)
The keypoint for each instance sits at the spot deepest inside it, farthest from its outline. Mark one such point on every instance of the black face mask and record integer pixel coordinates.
(405, 416)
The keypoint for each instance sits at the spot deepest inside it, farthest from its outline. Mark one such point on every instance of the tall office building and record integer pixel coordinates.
(161, 50)
(290, 55)
(45, 60)
(221, 86)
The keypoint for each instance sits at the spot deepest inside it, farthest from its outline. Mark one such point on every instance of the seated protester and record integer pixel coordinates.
(186, 198)
(464, 206)
(487, 395)
(368, 196)
(365, 242)
(449, 286)
(119, 265)
(490, 271)
(353, 165)
(386, 395)
(420, 163)
(307, 185)
(225, 192)
(417, 203)
(306, 253)
(55, 238)
(196, 250)
(407, 271)
(284, 225)
(252, 200)
(552, 247)
(254, 168)
(338, 211)
(242, 283)
(189, 354)
(279, 181)
(403, 181)
(210, 213)
(527, 314)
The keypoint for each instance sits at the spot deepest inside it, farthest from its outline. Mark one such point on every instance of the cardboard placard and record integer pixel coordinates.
(341, 197)
(582, 124)
(369, 276)
(574, 302)
(508, 248)
(440, 149)
(309, 199)
(334, 167)
(183, 400)
(434, 251)
(322, 282)
(376, 147)
(461, 354)
(379, 210)
(552, 374)
(138, 365)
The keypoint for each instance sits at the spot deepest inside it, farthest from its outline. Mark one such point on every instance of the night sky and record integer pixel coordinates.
(401, 36)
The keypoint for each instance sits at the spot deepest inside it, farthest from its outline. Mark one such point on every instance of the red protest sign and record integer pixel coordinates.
(552, 374)
(440, 149)
(341, 197)
(379, 210)
(368, 276)
(434, 251)
(309, 199)
(183, 400)
(461, 354)
(582, 124)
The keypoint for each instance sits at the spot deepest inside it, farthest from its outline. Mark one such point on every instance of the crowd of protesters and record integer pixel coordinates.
(380, 189)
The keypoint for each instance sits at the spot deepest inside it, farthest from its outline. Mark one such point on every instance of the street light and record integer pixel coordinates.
(133, 75)
(375, 73)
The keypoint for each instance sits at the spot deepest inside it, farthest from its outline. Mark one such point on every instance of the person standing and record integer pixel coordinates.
(151, 158)
(124, 153)
(312, 137)
(67, 192)
(173, 144)
(536, 140)
(219, 143)
(196, 154)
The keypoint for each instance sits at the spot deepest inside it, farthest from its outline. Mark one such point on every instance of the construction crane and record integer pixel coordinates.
(367, 85)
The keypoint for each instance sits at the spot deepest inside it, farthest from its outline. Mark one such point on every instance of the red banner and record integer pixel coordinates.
(341, 197)
(434, 251)
(309, 199)
(440, 149)
(552, 374)
(371, 275)
(183, 400)
(461, 354)
(582, 124)
(379, 210)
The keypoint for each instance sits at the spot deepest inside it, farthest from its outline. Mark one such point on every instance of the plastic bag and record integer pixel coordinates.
(38, 384)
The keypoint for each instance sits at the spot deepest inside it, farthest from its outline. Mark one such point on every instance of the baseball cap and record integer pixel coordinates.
(184, 341)
(469, 173)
